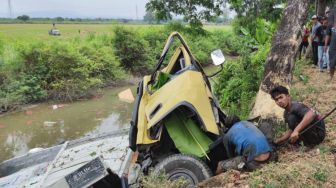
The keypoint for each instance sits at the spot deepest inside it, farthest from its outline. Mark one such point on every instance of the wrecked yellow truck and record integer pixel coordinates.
(176, 123)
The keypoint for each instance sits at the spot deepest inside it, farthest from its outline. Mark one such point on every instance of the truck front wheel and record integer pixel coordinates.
(192, 169)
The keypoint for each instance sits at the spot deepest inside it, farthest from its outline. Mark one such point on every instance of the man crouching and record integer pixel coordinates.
(298, 117)
(246, 147)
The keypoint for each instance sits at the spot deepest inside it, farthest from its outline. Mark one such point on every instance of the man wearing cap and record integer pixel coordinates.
(314, 38)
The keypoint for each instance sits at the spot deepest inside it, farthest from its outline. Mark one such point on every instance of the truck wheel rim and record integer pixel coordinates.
(185, 174)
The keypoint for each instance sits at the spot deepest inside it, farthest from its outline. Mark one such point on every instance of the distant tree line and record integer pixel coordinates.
(27, 19)
(149, 18)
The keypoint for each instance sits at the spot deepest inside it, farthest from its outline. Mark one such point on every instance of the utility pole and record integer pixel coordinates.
(10, 9)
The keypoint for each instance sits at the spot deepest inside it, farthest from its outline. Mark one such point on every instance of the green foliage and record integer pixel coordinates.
(193, 11)
(320, 175)
(239, 82)
(260, 34)
(263, 31)
(58, 70)
(23, 18)
(229, 42)
(131, 50)
(249, 12)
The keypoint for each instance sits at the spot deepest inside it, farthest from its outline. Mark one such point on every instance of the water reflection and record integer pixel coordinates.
(105, 125)
(45, 126)
(16, 143)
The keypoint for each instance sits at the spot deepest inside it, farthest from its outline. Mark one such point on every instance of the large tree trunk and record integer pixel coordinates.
(332, 17)
(321, 6)
(280, 60)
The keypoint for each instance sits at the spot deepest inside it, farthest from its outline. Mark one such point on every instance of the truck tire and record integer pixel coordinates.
(184, 166)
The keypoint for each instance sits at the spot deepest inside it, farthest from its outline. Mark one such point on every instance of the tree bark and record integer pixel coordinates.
(280, 61)
(332, 17)
(321, 6)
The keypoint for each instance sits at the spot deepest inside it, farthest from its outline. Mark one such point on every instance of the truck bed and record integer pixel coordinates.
(50, 166)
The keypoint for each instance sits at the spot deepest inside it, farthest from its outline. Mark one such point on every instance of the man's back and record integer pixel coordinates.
(244, 138)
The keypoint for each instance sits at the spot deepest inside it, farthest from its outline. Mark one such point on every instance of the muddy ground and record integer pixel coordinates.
(297, 166)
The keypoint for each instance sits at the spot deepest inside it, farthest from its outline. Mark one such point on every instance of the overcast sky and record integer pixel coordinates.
(75, 8)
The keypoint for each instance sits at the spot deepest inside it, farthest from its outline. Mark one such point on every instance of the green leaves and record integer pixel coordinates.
(193, 11)
(263, 31)
(58, 70)
(131, 50)
(239, 81)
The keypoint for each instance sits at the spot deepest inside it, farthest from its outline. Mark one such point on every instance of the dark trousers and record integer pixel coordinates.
(303, 44)
(314, 135)
(315, 52)
(240, 163)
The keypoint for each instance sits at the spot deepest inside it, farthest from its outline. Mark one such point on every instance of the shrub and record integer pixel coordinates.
(131, 50)
(59, 70)
(239, 82)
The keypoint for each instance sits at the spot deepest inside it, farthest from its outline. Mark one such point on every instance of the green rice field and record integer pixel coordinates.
(40, 31)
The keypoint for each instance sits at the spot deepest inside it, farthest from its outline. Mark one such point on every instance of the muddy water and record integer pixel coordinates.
(46, 124)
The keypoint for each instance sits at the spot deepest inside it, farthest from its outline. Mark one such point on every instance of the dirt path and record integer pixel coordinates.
(297, 166)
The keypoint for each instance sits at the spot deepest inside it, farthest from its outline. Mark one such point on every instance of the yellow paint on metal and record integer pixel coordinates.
(188, 87)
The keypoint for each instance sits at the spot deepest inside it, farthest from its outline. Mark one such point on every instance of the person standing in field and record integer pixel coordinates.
(314, 39)
(304, 42)
(323, 45)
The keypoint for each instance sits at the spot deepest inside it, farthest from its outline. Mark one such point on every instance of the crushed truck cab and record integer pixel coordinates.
(176, 118)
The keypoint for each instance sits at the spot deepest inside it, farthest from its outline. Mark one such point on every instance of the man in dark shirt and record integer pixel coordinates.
(323, 45)
(314, 39)
(298, 117)
(246, 146)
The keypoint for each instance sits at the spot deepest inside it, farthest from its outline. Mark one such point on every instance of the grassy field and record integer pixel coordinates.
(40, 31)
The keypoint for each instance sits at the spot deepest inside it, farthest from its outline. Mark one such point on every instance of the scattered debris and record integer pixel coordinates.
(93, 154)
(56, 106)
(34, 150)
(29, 112)
(49, 123)
(52, 123)
(126, 96)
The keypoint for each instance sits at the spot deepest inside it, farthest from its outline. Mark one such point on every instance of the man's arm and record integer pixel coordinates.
(327, 39)
(326, 42)
(306, 120)
(284, 137)
(317, 32)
